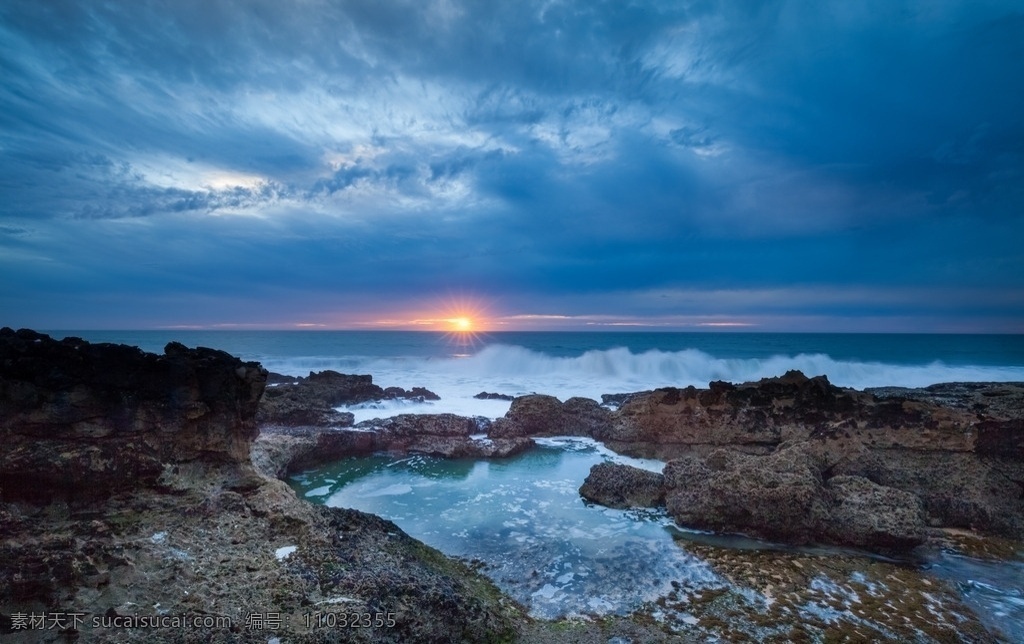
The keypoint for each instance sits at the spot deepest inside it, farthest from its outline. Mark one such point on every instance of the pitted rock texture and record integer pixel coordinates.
(763, 414)
(541, 415)
(621, 486)
(957, 447)
(777, 497)
(91, 419)
(780, 497)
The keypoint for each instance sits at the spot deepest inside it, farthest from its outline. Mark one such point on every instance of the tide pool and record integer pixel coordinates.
(524, 520)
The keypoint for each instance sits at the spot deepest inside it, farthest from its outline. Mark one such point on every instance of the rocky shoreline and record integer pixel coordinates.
(141, 485)
(128, 494)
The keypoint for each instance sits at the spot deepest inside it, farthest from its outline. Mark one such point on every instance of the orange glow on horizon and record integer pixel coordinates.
(462, 318)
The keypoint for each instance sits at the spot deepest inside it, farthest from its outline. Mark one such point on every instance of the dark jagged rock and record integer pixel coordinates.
(623, 486)
(93, 419)
(486, 395)
(761, 415)
(274, 378)
(311, 401)
(416, 393)
(758, 416)
(422, 433)
(445, 435)
(540, 415)
(288, 410)
(994, 399)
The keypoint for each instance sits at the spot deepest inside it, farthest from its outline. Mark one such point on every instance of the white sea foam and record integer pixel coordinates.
(515, 370)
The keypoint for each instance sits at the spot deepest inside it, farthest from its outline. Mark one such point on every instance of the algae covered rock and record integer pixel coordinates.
(623, 486)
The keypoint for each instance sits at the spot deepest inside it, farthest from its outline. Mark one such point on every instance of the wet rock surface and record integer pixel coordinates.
(780, 596)
(279, 451)
(775, 497)
(761, 415)
(867, 515)
(784, 497)
(310, 401)
(487, 395)
(125, 495)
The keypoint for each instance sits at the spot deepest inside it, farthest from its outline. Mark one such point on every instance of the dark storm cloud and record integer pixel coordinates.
(578, 156)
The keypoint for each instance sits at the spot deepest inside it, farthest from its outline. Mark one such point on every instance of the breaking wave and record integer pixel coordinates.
(620, 367)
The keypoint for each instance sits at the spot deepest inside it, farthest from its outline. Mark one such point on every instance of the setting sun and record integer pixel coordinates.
(462, 324)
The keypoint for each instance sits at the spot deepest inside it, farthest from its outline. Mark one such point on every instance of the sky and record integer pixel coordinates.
(689, 165)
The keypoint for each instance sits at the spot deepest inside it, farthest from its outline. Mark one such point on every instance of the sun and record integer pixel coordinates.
(463, 331)
(464, 321)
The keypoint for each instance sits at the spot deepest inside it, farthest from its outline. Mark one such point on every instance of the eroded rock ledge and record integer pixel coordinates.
(281, 450)
(798, 459)
(81, 419)
(127, 489)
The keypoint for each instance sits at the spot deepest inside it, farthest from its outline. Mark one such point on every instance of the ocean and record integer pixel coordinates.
(589, 364)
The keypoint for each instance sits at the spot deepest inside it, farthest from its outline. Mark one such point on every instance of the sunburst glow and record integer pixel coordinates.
(465, 320)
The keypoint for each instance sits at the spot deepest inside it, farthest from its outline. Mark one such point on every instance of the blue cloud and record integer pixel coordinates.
(572, 156)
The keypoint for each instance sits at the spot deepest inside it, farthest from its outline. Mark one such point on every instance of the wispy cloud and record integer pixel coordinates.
(648, 160)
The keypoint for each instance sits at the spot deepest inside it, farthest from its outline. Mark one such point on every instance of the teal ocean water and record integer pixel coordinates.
(590, 364)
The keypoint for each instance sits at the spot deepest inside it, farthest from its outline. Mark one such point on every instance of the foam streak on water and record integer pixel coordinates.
(994, 589)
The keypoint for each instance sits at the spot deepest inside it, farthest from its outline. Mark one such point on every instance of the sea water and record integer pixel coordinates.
(589, 364)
